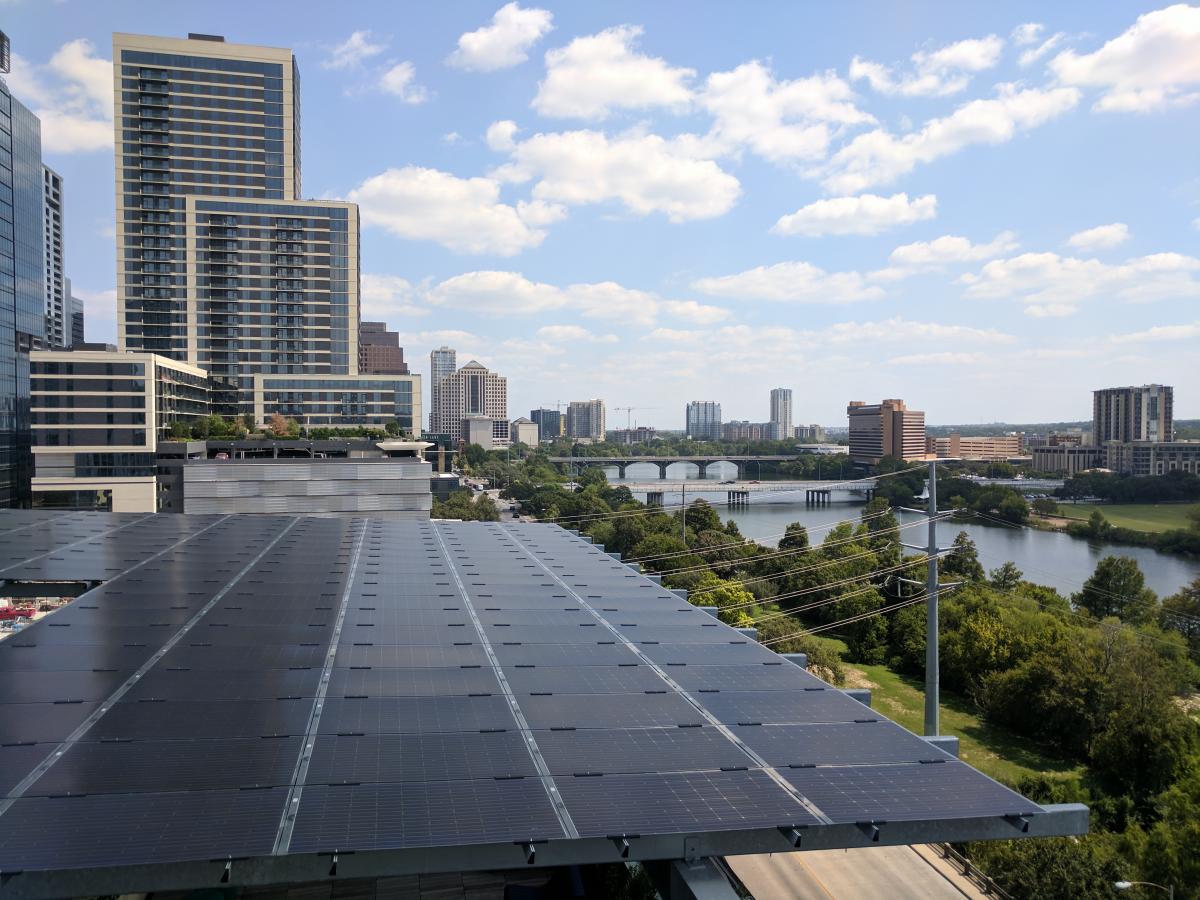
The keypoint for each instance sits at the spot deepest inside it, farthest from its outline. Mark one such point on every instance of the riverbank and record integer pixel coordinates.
(1153, 518)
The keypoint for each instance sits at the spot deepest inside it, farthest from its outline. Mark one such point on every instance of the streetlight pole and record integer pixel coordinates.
(932, 679)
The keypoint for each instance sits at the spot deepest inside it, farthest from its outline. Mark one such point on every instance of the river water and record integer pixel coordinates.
(1051, 558)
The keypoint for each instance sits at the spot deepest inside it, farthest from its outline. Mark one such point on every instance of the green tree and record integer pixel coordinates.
(1044, 506)
(474, 455)
(963, 560)
(795, 537)
(180, 431)
(1006, 577)
(1118, 588)
(1181, 612)
(393, 428)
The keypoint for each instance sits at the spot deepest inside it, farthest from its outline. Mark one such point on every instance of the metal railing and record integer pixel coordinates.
(972, 872)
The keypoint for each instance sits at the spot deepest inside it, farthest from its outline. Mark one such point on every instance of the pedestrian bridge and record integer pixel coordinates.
(620, 463)
(815, 493)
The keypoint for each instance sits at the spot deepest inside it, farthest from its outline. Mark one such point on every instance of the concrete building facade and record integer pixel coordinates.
(745, 431)
(470, 391)
(333, 401)
(586, 420)
(98, 418)
(1065, 459)
(888, 428)
(55, 274)
(1144, 458)
(959, 446)
(74, 324)
(524, 431)
(813, 433)
(702, 420)
(1144, 413)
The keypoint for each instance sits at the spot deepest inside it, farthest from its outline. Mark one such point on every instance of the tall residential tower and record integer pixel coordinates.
(885, 429)
(442, 363)
(781, 414)
(57, 326)
(1144, 413)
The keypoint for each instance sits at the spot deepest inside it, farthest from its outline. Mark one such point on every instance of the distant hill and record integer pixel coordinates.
(1185, 429)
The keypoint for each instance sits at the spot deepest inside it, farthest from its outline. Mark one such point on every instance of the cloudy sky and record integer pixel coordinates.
(985, 209)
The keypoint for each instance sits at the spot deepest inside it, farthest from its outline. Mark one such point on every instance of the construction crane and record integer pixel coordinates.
(629, 413)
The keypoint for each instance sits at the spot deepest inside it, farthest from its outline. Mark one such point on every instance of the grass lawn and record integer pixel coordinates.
(991, 749)
(1153, 517)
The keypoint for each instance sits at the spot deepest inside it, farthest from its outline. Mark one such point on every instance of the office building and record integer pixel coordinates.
(470, 391)
(884, 429)
(379, 350)
(74, 323)
(810, 433)
(54, 277)
(1065, 459)
(958, 446)
(98, 418)
(22, 284)
(486, 431)
(585, 420)
(551, 423)
(703, 420)
(442, 364)
(781, 414)
(524, 431)
(736, 430)
(340, 401)
(1142, 413)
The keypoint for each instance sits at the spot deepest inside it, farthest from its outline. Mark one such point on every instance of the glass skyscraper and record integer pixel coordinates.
(22, 287)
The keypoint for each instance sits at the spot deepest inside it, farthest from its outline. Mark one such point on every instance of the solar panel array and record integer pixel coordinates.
(251, 686)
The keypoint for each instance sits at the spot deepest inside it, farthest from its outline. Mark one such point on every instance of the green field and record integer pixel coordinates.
(991, 749)
(1153, 517)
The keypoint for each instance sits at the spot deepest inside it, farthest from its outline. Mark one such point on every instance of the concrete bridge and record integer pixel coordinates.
(620, 463)
(816, 493)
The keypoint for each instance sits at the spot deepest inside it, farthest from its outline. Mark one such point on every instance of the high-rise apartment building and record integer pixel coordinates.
(781, 414)
(22, 285)
(54, 276)
(220, 264)
(885, 429)
(703, 420)
(471, 391)
(551, 423)
(585, 420)
(1144, 413)
(379, 350)
(442, 363)
(198, 118)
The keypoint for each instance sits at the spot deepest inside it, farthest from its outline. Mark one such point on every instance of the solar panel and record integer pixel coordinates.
(490, 685)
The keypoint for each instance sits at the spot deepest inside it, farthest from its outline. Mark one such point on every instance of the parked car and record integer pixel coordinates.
(9, 613)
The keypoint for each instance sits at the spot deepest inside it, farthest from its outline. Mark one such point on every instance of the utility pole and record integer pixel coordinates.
(932, 672)
(683, 512)
(932, 590)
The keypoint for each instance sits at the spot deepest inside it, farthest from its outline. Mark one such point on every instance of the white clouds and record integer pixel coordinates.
(385, 297)
(797, 282)
(778, 120)
(1053, 285)
(463, 214)
(1152, 65)
(947, 250)
(73, 96)
(644, 172)
(1029, 33)
(946, 70)
(501, 135)
(599, 73)
(99, 312)
(1159, 333)
(766, 340)
(510, 293)
(865, 214)
(938, 358)
(1033, 54)
(399, 81)
(503, 44)
(353, 51)
(879, 156)
(574, 333)
(1102, 237)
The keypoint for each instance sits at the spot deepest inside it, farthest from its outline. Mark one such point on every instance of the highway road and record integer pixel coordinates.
(877, 873)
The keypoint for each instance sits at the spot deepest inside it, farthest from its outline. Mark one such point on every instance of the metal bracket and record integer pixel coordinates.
(870, 829)
(691, 849)
(793, 833)
(1019, 821)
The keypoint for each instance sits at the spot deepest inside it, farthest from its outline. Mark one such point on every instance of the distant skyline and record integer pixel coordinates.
(988, 211)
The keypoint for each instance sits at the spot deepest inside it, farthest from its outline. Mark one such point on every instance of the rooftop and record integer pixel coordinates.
(264, 699)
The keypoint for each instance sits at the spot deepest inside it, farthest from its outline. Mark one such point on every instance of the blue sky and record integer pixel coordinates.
(987, 210)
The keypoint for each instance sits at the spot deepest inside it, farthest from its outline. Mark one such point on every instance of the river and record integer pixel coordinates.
(1051, 558)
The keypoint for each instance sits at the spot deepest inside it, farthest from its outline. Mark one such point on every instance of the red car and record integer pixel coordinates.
(8, 613)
